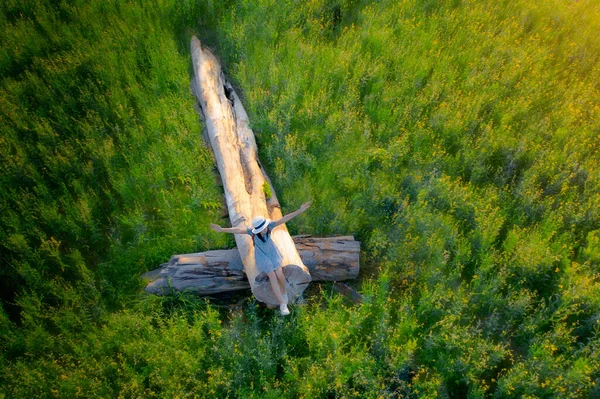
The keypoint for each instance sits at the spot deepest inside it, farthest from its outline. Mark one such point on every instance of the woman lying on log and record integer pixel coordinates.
(267, 257)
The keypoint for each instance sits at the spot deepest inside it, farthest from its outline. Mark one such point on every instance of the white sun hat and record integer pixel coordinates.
(259, 223)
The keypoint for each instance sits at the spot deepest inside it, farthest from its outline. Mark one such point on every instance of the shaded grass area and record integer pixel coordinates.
(103, 174)
(457, 140)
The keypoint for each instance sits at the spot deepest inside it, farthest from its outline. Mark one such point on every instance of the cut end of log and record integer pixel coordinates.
(297, 281)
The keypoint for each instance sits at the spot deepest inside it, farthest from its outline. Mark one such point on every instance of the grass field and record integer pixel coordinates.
(457, 140)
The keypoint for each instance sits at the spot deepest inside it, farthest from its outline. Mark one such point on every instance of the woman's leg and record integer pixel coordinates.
(281, 279)
(275, 286)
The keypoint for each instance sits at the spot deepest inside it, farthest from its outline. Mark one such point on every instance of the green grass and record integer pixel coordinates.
(103, 175)
(457, 140)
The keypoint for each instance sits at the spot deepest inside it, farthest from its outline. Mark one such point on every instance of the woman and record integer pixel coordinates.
(267, 256)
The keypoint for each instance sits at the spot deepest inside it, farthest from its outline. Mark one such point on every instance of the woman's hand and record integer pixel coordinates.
(292, 215)
(305, 206)
(216, 228)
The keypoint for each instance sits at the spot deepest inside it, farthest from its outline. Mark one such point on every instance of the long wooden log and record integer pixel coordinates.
(210, 272)
(243, 177)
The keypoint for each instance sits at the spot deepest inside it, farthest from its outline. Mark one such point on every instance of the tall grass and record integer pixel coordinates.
(103, 172)
(457, 140)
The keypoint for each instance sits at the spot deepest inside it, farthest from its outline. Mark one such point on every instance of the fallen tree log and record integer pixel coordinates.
(244, 179)
(330, 258)
(210, 272)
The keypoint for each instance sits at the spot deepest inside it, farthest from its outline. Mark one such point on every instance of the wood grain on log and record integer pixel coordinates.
(243, 177)
(210, 272)
(330, 258)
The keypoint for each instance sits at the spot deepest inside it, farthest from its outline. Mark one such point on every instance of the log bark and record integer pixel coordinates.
(210, 272)
(243, 177)
(330, 258)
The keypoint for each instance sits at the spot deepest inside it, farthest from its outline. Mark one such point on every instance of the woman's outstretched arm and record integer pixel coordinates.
(292, 215)
(232, 230)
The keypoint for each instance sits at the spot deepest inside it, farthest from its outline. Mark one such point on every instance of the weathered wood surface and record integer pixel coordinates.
(210, 272)
(330, 258)
(243, 177)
